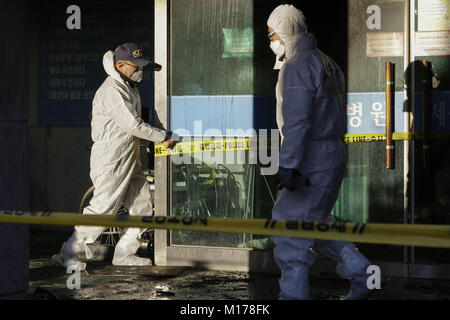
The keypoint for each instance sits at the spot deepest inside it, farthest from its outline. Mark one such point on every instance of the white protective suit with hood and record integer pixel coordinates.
(116, 171)
(311, 118)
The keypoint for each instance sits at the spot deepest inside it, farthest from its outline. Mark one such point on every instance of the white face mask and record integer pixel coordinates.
(137, 76)
(279, 49)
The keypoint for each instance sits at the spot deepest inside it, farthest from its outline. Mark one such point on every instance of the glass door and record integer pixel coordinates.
(370, 192)
(429, 89)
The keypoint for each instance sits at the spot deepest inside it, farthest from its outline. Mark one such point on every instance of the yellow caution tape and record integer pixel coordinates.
(373, 137)
(235, 144)
(378, 233)
(227, 144)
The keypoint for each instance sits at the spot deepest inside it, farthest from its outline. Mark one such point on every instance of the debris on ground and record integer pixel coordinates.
(108, 282)
(163, 290)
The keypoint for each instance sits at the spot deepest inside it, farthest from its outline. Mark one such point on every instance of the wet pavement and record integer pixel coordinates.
(102, 281)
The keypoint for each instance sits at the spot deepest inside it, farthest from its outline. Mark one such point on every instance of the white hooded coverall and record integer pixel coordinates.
(311, 118)
(116, 171)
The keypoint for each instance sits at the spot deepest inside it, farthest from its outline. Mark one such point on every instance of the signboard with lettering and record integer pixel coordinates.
(366, 112)
(70, 61)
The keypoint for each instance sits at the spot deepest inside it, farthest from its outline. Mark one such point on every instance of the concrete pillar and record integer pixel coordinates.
(14, 147)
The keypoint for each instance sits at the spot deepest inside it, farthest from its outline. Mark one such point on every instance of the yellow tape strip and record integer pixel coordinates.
(372, 137)
(234, 144)
(227, 144)
(397, 234)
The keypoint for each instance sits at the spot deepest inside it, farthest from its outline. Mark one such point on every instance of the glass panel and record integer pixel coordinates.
(372, 193)
(216, 73)
(353, 201)
(212, 47)
(433, 195)
(204, 187)
(432, 163)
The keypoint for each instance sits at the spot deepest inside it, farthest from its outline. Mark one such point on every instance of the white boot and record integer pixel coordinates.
(59, 259)
(132, 260)
(70, 252)
(126, 248)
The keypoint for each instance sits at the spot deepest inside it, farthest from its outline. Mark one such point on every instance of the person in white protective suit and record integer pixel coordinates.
(116, 171)
(311, 118)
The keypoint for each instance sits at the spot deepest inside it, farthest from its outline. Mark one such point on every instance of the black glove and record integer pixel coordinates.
(287, 178)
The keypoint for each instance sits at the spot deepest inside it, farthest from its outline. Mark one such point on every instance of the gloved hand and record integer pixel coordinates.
(174, 136)
(169, 143)
(171, 140)
(287, 178)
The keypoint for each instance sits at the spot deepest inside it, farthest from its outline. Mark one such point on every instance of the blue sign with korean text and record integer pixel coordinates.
(366, 112)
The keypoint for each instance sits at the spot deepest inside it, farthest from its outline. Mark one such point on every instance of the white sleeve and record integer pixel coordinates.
(119, 106)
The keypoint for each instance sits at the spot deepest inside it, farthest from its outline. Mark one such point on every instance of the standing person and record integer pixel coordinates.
(116, 171)
(311, 118)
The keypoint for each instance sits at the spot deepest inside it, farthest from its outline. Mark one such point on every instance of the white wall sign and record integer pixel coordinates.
(433, 15)
(384, 44)
(432, 43)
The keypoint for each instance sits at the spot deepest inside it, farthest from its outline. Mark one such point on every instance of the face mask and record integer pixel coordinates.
(136, 76)
(277, 48)
(132, 83)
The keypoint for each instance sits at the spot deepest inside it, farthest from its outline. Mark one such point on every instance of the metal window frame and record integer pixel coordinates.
(213, 258)
(161, 103)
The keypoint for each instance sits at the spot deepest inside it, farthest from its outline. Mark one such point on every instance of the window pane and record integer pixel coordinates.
(203, 188)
